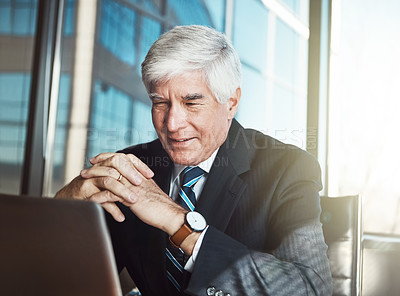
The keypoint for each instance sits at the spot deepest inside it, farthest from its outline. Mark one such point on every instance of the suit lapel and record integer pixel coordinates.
(224, 187)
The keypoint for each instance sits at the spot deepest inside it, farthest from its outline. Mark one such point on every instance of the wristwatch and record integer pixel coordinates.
(194, 222)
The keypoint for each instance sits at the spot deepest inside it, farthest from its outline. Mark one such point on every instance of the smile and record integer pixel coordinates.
(179, 141)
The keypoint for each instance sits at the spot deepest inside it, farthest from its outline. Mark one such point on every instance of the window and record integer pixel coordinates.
(102, 103)
(274, 55)
(14, 94)
(117, 32)
(18, 17)
(17, 30)
(207, 13)
(363, 129)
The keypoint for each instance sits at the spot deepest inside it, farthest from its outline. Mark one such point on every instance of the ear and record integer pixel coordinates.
(233, 103)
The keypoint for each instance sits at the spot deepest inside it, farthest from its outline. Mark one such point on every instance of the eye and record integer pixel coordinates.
(160, 104)
(194, 99)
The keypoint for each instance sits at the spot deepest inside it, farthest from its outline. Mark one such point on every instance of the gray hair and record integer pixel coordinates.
(186, 49)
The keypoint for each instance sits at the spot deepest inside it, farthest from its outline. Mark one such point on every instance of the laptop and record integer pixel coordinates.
(55, 247)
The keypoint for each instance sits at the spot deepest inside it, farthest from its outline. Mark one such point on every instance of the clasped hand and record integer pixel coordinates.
(125, 178)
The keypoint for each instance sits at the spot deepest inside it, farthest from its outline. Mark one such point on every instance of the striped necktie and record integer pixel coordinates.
(187, 199)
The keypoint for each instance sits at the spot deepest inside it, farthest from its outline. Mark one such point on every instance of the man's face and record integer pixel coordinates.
(189, 121)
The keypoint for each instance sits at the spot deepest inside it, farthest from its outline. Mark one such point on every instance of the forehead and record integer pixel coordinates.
(192, 82)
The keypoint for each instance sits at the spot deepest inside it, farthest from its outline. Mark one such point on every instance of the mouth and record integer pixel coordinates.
(179, 141)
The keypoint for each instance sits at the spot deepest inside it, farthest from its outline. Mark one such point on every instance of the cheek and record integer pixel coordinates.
(222, 124)
(157, 119)
(215, 127)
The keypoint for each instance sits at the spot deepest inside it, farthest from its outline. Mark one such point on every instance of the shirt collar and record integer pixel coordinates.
(205, 166)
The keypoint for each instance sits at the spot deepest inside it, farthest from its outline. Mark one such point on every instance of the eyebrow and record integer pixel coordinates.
(195, 96)
(188, 97)
(154, 96)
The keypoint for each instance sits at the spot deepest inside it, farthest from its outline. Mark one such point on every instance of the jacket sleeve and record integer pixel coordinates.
(297, 265)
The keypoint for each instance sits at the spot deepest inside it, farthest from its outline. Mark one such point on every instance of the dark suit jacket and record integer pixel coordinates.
(262, 204)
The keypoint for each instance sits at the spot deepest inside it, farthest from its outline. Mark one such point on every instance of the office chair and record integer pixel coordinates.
(341, 223)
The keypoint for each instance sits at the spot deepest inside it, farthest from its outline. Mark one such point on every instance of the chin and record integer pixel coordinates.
(187, 160)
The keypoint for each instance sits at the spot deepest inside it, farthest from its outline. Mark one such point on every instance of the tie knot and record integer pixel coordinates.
(191, 175)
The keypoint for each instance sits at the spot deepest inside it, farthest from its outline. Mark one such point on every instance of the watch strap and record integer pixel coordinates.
(179, 236)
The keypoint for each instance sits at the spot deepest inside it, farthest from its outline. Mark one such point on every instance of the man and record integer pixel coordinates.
(247, 217)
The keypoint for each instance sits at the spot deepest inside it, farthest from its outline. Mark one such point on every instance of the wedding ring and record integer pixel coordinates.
(119, 178)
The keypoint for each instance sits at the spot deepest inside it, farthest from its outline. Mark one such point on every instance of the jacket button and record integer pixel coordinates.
(210, 291)
(219, 293)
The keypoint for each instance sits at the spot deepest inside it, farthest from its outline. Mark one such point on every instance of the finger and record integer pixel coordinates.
(103, 171)
(105, 196)
(123, 164)
(141, 166)
(100, 171)
(87, 187)
(115, 212)
(121, 158)
(100, 157)
(78, 188)
(115, 187)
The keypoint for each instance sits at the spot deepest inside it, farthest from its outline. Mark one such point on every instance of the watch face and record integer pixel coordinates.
(196, 221)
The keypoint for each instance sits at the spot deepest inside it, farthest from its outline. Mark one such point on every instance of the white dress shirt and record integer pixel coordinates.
(175, 185)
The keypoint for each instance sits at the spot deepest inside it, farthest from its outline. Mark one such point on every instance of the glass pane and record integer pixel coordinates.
(117, 121)
(288, 119)
(250, 37)
(5, 18)
(18, 17)
(154, 6)
(364, 110)
(150, 31)
(216, 10)
(24, 17)
(299, 7)
(110, 120)
(250, 41)
(143, 130)
(289, 105)
(69, 17)
(286, 54)
(196, 12)
(117, 30)
(17, 27)
(253, 106)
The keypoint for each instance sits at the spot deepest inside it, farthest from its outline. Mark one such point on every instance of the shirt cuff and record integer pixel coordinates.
(192, 259)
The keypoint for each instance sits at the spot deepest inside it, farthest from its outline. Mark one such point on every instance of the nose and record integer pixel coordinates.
(176, 118)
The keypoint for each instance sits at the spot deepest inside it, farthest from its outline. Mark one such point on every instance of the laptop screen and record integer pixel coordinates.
(55, 247)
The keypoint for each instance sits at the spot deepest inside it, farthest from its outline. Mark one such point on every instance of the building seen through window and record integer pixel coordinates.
(102, 104)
